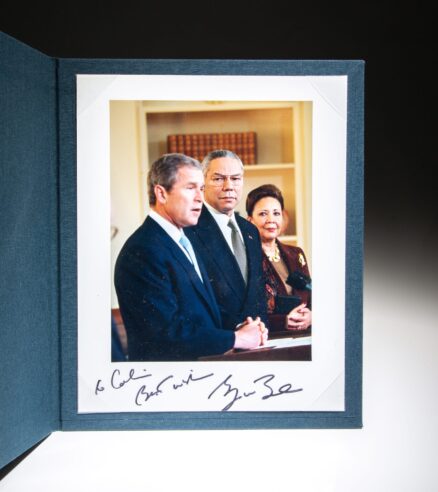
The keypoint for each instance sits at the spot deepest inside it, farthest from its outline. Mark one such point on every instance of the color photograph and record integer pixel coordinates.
(253, 164)
(204, 208)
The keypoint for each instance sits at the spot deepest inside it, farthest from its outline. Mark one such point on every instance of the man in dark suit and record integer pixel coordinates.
(229, 245)
(166, 302)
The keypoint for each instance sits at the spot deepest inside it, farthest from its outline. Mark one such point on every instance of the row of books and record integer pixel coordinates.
(198, 145)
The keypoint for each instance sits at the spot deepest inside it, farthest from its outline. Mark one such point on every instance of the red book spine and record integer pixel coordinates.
(226, 141)
(198, 145)
(180, 144)
(172, 144)
(252, 150)
(214, 141)
(208, 144)
(239, 145)
(195, 147)
(201, 146)
(187, 145)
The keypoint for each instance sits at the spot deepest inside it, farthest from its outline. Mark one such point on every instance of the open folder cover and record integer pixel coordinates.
(38, 248)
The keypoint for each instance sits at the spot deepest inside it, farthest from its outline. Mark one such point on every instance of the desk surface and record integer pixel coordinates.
(295, 353)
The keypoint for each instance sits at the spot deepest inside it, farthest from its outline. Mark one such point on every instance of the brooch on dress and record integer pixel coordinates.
(275, 256)
(301, 259)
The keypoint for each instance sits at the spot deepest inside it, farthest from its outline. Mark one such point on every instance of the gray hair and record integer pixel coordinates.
(217, 154)
(164, 172)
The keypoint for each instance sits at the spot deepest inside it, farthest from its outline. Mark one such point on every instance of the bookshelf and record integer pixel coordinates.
(283, 147)
(138, 134)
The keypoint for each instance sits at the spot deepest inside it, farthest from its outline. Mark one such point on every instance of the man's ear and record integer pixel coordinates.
(160, 194)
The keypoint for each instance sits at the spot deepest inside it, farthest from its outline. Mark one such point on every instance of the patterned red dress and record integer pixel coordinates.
(295, 260)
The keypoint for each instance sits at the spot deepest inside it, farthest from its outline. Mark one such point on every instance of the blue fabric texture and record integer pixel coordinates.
(38, 316)
(29, 365)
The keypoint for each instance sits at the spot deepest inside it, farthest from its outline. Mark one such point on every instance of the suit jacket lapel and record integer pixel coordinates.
(203, 289)
(220, 252)
(208, 288)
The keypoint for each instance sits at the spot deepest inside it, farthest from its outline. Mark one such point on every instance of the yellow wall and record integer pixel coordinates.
(126, 210)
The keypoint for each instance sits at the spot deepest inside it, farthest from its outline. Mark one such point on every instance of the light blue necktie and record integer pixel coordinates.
(187, 245)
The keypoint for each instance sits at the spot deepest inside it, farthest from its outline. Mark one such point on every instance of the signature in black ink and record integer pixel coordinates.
(237, 394)
(144, 394)
(190, 378)
(117, 382)
(99, 387)
(264, 387)
(230, 390)
(282, 390)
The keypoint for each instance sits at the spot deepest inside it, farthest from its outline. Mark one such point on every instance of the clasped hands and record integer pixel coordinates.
(251, 334)
(300, 318)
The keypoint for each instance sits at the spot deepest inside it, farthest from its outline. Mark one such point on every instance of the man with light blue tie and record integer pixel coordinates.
(166, 302)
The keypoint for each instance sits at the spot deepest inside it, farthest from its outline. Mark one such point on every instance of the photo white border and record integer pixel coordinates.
(321, 381)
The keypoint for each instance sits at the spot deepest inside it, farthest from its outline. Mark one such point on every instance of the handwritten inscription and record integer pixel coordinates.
(226, 391)
(144, 394)
(236, 394)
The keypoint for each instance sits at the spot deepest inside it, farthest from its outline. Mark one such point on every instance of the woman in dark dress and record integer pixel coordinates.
(264, 206)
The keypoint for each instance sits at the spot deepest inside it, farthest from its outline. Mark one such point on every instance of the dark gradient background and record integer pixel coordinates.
(401, 239)
(401, 214)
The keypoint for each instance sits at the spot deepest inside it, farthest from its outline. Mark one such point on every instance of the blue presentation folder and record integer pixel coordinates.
(38, 333)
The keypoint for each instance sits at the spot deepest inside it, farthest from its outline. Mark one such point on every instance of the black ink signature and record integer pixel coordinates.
(230, 390)
(99, 387)
(282, 390)
(237, 394)
(144, 394)
(117, 382)
(264, 386)
(190, 378)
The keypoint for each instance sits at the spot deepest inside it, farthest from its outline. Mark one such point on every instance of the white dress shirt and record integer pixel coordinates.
(222, 221)
(175, 233)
